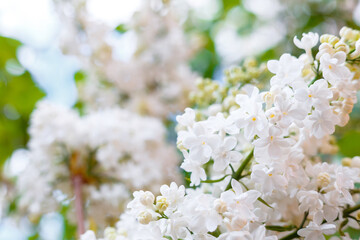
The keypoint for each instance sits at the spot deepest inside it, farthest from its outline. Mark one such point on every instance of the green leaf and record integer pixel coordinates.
(69, 229)
(18, 97)
(121, 28)
(349, 144)
(229, 4)
(79, 76)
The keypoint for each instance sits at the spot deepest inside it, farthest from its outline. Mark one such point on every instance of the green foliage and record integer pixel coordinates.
(349, 144)
(121, 28)
(34, 237)
(229, 4)
(18, 97)
(69, 232)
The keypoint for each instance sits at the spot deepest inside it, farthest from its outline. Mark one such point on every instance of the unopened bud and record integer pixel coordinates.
(355, 162)
(238, 223)
(145, 217)
(147, 198)
(220, 206)
(323, 179)
(161, 203)
(346, 162)
(110, 233)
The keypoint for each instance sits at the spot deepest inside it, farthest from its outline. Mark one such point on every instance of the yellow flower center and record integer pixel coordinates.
(310, 95)
(254, 119)
(270, 174)
(330, 67)
(272, 115)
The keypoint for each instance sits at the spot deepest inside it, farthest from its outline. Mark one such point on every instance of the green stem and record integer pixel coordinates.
(280, 228)
(294, 234)
(237, 174)
(215, 180)
(317, 72)
(348, 211)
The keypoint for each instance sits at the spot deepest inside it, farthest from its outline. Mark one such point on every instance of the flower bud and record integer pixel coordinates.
(220, 206)
(358, 215)
(238, 223)
(346, 162)
(145, 217)
(355, 162)
(323, 179)
(161, 203)
(110, 233)
(147, 198)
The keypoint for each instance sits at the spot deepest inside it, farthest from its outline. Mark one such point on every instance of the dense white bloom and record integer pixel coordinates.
(255, 162)
(89, 235)
(153, 78)
(113, 151)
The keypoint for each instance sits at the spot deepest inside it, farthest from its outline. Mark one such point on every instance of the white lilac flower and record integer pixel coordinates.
(287, 70)
(323, 122)
(268, 179)
(317, 95)
(88, 235)
(272, 143)
(113, 151)
(192, 164)
(316, 230)
(250, 115)
(200, 143)
(281, 183)
(307, 42)
(224, 154)
(333, 67)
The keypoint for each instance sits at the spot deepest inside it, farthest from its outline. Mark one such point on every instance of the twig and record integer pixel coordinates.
(243, 165)
(79, 211)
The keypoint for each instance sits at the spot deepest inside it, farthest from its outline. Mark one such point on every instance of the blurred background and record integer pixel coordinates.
(34, 64)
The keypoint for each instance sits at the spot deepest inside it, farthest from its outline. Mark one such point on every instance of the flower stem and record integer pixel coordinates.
(79, 211)
(347, 211)
(243, 165)
(294, 234)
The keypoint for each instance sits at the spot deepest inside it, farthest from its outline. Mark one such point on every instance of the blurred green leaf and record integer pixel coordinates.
(349, 144)
(80, 76)
(18, 97)
(229, 4)
(69, 229)
(121, 28)
(34, 237)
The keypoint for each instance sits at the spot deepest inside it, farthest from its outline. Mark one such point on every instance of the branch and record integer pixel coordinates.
(79, 211)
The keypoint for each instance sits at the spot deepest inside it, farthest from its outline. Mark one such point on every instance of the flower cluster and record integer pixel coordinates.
(154, 80)
(113, 152)
(255, 168)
